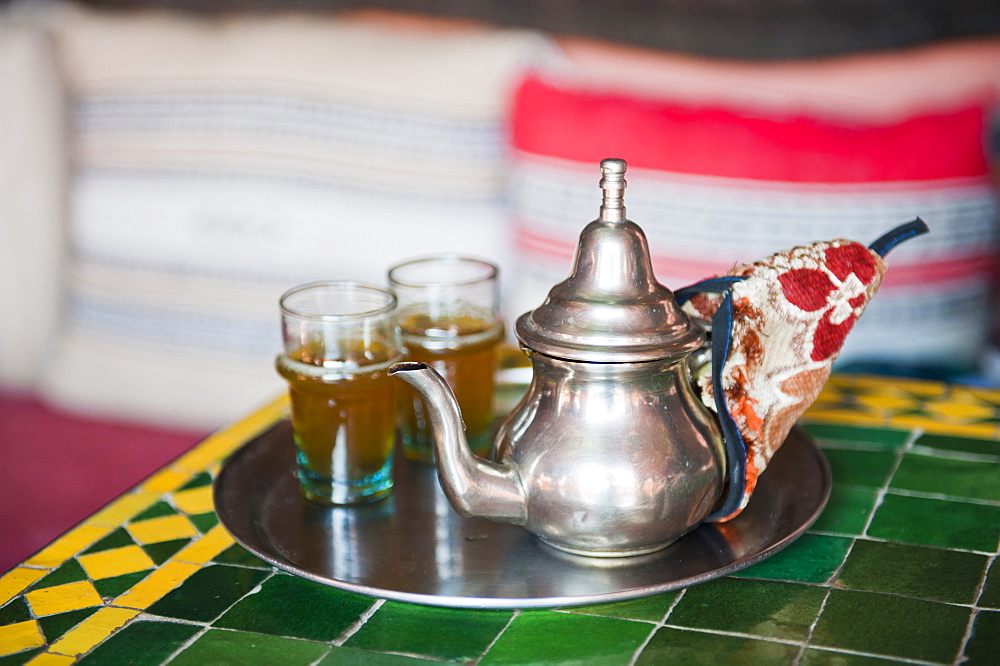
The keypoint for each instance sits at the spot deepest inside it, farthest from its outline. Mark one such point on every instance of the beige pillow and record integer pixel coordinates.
(219, 161)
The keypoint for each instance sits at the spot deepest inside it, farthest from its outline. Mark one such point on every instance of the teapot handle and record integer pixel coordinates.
(736, 450)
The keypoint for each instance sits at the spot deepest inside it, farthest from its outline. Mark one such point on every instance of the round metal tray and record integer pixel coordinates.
(413, 547)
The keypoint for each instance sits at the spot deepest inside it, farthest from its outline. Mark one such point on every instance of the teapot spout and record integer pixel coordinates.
(474, 487)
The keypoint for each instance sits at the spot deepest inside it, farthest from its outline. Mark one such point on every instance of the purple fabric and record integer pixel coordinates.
(57, 468)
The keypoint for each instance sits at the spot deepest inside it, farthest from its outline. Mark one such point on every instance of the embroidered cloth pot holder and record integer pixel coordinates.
(777, 325)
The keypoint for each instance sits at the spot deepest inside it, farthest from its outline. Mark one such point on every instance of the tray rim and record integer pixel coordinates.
(468, 602)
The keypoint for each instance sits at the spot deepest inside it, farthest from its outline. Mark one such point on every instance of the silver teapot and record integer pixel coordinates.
(610, 452)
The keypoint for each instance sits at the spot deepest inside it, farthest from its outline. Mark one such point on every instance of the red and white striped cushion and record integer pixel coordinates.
(726, 181)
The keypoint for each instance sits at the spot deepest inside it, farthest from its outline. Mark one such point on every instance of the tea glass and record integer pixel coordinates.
(340, 338)
(448, 317)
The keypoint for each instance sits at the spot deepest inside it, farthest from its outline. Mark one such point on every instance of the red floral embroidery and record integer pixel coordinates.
(812, 290)
(847, 259)
(830, 337)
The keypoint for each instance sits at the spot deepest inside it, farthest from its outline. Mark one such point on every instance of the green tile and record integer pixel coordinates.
(142, 642)
(204, 521)
(158, 510)
(891, 625)
(882, 438)
(203, 479)
(813, 657)
(935, 522)
(20, 658)
(652, 608)
(208, 592)
(110, 588)
(673, 646)
(812, 558)
(990, 597)
(758, 607)
(69, 571)
(118, 538)
(54, 626)
(237, 554)
(948, 476)
(443, 633)
(350, 657)
(220, 647)
(913, 571)
(984, 645)
(296, 607)
(540, 637)
(14, 612)
(847, 511)
(860, 468)
(163, 551)
(960, 444)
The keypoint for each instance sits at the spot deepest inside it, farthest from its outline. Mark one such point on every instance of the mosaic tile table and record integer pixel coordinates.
(902, 566)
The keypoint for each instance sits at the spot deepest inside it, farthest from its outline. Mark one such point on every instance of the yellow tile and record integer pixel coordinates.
(862, 390)
(960, 410)
(970, 397)
(68, 545)
(165, 481)
(969, 394)
(204, 549)
(844, 383)
(122, 509)
(227, 440)
(844, 416)
(827, 399)
(990, 396)
(980, 430)
(47, 659)
(194, 501)
(92, 631)
(154, 586)
(915, 421)
(895, 403)
(62, 598)
(834, 380)
(921, 387)
(16, 581)
(165, 528)
(946, 426)
(918, 387)
(117, 562)
(19, 637)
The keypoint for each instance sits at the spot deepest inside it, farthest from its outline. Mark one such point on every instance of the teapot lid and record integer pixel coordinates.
(611, 309)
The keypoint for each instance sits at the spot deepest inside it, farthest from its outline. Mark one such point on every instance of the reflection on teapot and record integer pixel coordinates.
(610, 452)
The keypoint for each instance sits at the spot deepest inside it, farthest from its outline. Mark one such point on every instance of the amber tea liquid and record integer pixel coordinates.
(462, 348)
(344, 425)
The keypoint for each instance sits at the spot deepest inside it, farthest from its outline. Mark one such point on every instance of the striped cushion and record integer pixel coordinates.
(223, 161)
(719, 178)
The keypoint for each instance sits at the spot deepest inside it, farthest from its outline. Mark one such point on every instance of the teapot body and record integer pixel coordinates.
(610, 452)
(613, 459)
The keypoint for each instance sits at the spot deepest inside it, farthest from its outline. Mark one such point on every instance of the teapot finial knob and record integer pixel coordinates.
(613, 184)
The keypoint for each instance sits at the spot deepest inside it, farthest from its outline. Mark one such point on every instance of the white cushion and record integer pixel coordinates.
(32, 181)
(221, 161)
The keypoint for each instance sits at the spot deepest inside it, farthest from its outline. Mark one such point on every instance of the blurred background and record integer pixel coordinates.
(168, 169)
